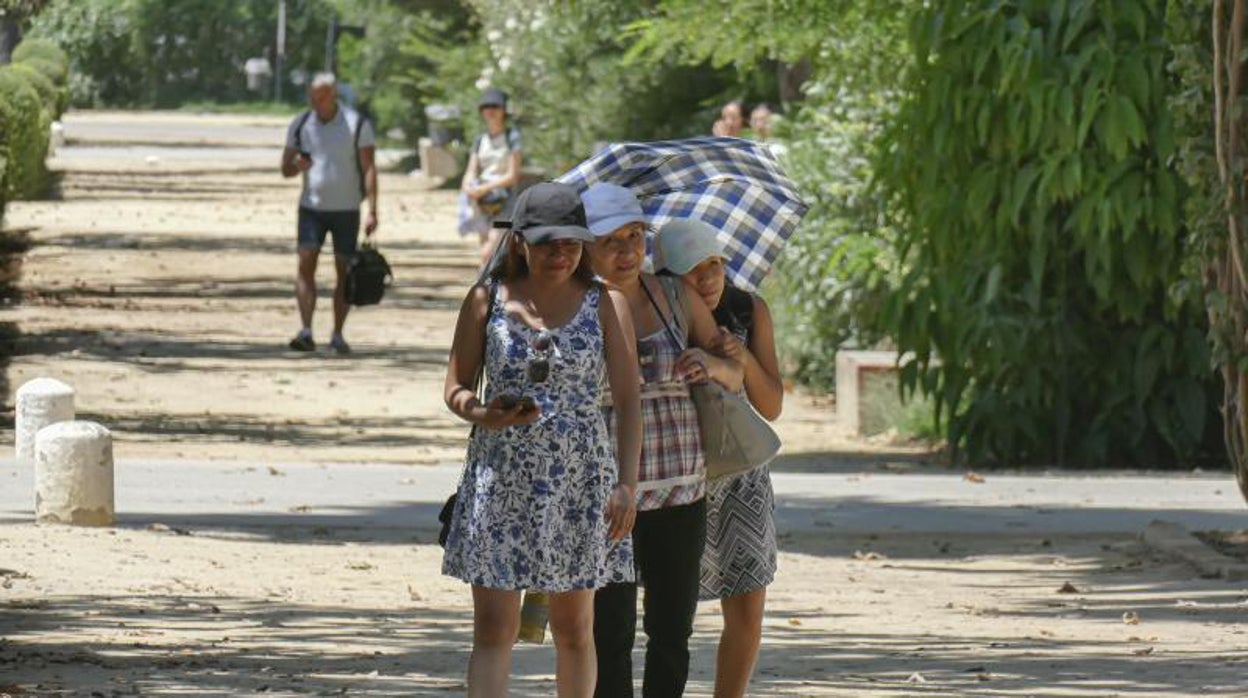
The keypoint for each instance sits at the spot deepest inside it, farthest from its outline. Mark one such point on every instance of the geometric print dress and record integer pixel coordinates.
(740, 553)
(530, 511)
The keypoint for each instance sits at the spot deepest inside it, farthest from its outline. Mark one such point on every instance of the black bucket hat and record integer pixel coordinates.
(549, 211)
(492, 97)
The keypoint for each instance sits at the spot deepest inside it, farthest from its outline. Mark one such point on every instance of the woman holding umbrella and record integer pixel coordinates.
(673, 327)
(740, 557)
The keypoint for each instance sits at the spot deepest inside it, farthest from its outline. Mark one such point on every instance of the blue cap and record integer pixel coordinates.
(609, 207)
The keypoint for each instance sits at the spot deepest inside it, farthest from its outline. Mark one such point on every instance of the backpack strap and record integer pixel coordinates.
(359, 166)
(303, 120)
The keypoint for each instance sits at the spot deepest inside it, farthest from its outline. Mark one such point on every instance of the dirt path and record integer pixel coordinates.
(159, 285)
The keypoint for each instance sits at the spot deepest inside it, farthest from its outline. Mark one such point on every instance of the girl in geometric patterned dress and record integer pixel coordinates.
(740, 556)
(544, 490)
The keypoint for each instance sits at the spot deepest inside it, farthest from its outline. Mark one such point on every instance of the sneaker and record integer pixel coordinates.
(340, 345)
(302, 343)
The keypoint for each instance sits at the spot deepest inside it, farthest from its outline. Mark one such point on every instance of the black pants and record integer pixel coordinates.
(667, 544)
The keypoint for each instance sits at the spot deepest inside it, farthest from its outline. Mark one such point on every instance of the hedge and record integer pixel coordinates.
(49, 94)
(47, 59)
(24, 126)
(41, 49)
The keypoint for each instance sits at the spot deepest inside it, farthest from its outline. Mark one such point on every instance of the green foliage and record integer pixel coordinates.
(41, 49)
(23, 136)
(562, 65)
(834, 271)
(373, 64)
(49, 95)
(1039, 232)
(46, 66)
(837, 269)
(1191, 104)
(97, 35)
(741, 32)
(164, 52)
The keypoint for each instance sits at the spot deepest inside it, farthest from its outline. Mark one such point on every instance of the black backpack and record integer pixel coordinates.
(368, 276)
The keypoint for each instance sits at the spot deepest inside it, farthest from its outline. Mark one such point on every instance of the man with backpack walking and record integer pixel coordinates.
(333, 147)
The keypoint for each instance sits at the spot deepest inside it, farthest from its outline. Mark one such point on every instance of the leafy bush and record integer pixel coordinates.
(23, 135)
(41, 50)
(98, 37)
(1040, 235)
(46, 59)
(49, 95)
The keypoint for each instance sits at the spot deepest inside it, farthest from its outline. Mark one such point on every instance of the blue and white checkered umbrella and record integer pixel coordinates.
(733, 184)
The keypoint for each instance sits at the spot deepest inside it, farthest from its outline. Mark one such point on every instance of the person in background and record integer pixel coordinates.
(731, 120)
(760, 122)
(673, 327)
(493, 170)
(739, 561)
(543, 489)
(332, 146)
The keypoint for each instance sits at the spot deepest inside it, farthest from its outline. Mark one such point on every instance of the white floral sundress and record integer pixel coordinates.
(531, 507)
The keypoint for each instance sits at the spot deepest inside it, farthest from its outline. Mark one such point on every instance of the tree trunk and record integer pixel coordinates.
(792, 79)
(10, 34)
(1229, 279)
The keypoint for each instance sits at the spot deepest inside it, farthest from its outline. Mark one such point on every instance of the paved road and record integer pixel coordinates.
(239, 495)
(118, 138)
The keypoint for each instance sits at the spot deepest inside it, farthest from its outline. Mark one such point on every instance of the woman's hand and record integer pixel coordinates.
(691, 366)
(621, 511)
(503, 412)
(731, 347)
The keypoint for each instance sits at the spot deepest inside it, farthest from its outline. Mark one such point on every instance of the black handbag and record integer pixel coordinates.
(368, 276)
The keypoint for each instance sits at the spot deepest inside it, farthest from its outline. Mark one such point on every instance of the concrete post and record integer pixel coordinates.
(40, 402)
(74, 474)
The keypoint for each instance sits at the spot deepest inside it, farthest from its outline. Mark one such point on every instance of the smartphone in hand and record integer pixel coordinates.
(509, 401)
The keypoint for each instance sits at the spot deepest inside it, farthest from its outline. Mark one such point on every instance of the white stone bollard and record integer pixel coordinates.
(56, 137)
(74, 474)
(40, 402)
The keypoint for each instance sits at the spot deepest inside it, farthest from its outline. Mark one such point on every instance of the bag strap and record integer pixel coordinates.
(480, 377)
(672, 333)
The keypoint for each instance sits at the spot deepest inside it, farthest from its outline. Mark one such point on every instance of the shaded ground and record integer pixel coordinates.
(1230, 543)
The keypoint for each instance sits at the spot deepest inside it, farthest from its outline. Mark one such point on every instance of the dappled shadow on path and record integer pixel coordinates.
(850, 461)
(165, 353)
(193, 640)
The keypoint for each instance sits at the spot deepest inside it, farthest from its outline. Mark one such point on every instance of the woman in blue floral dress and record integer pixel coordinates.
(544, 490)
